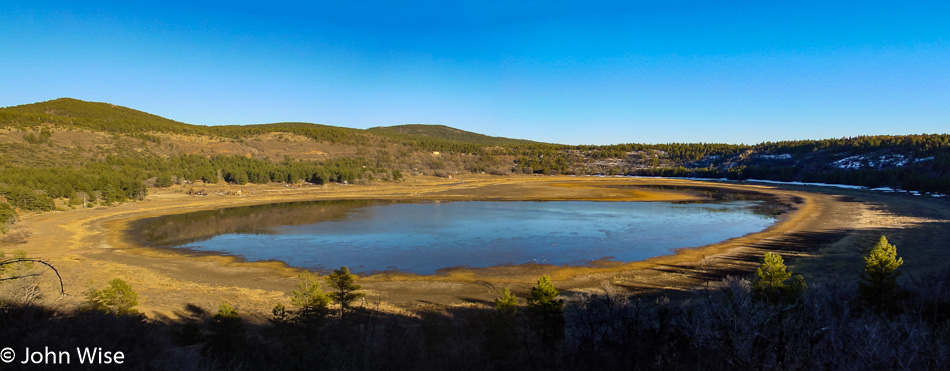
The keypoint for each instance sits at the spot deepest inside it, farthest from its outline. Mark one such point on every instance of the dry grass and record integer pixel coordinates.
(89, 248)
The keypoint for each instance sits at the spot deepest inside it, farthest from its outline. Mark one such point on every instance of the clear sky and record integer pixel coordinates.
(573, 72)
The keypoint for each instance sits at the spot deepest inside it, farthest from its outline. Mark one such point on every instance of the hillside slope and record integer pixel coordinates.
(445, 133)
(73, 113)
(88, 153)
(91, 115)
(67, 148)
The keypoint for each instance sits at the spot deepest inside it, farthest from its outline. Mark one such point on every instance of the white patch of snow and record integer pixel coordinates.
(859, 161)
(896, 160)
(845, 186)
(923, 159)
(784, 156)
(852, 162)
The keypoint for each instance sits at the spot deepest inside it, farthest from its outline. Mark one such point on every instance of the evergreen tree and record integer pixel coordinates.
(546, 313)
(879, 280)
(507, 303)
(310, 298)
(501, 345)
(227, 332)
(279, 315)
(28, 199)
(771, 281)
(163, 180)
(343, 284)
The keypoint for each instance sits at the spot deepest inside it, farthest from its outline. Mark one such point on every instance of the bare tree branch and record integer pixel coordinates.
(62, 290)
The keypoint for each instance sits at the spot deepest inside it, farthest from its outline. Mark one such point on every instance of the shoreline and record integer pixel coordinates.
(124, 236)
(88, 246)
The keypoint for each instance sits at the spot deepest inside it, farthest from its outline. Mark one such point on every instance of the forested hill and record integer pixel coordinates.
(442, 132)
(73, 150)
(909, 162)
(68, 152)
(91, 115)
(73, 113)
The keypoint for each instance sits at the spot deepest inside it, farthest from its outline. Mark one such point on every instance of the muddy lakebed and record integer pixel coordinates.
(427, 237)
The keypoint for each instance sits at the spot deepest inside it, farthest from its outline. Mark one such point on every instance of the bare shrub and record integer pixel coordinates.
(16, 235)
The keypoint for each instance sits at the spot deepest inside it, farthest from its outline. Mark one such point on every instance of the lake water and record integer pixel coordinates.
(424, 237)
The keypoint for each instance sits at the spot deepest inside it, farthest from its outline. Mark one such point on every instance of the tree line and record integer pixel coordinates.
(927, 165)
(121, 179)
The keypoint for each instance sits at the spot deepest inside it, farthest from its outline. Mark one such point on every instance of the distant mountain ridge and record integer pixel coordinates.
(113, 118)
(913, 162)
(446, 133)
(93, 115)
(117, 119)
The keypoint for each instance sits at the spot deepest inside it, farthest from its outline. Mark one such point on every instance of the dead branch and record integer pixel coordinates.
(62, 290)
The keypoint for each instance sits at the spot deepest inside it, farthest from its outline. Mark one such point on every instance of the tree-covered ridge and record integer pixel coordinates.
(435, 133)
(68, 112)
(676, 152)
(910, 162)
(73, 113)
(923, 144)
(41, 138)
(90, 115)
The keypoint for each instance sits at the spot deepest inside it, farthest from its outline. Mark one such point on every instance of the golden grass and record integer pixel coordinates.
(90, 246)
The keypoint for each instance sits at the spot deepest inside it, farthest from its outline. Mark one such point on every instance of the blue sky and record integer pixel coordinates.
(592, 72)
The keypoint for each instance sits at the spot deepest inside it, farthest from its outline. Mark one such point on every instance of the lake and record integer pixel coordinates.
(425, 237)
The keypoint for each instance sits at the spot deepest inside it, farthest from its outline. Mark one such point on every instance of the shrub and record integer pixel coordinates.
(117, 298)
(7, 216)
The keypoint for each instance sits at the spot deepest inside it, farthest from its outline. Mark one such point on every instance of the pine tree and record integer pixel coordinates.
(164, 180)
(772, 272)
(771, 282)
(879, 280)
(310, 298)
(227, 332)
(344, 287)
(507, 303)
(501, 345)
(546, 313)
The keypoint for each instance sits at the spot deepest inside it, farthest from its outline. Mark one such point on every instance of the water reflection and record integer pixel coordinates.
(767, 204)
(424, 237)
(180, 229)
